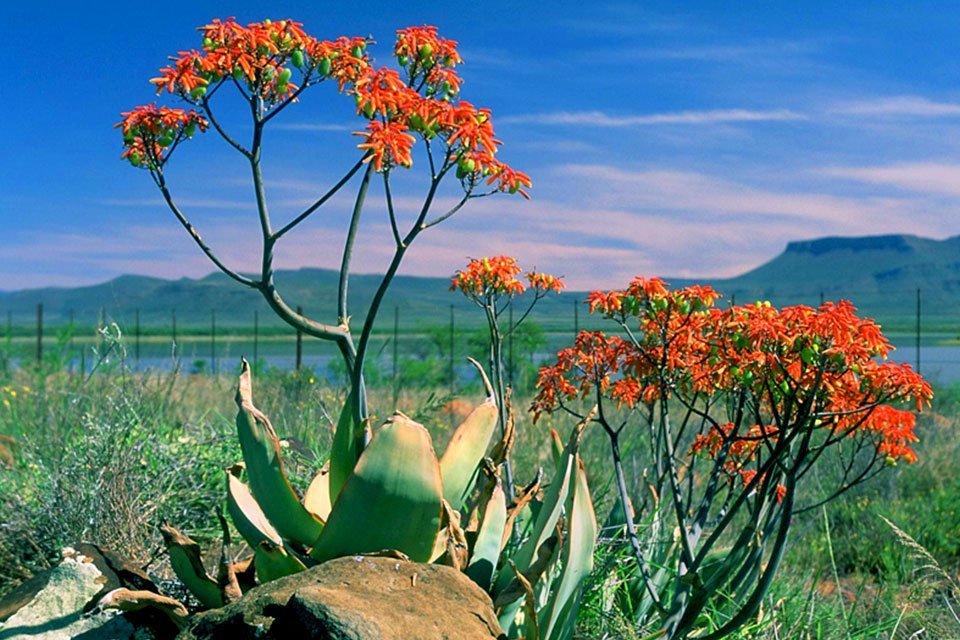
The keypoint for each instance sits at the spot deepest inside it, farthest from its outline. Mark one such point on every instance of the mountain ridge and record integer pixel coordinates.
(880, 274)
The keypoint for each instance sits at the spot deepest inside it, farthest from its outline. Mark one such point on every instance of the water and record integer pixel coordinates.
(939, 362)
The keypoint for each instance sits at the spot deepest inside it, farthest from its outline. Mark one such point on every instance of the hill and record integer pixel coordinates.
(881, 274)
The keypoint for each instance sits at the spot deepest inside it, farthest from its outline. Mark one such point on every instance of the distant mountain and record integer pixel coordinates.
(881, 274)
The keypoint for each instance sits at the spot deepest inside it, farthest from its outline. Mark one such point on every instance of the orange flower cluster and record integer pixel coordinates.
(262, 56)
(261, 59)
(150, 131)
(493, 276)
(545, 282)
(486, 279)
(828, 360)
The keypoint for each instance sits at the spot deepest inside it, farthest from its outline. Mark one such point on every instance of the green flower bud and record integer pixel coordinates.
(135, 159)
(207, 43)
(190, 130)
(297, 59)
(237, 73)
(165, 141)
(285, 75)
(426, 50)
(198, 93)
(356, 52)
(324, 67)
(403, 60)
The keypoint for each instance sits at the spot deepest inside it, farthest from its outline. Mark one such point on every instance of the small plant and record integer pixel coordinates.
(270, 65)
(733, 409)
(492, 284)
(384, 490)
(400, 498)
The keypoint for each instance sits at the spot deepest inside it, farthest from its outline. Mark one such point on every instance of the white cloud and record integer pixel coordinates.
(929, 177)
(316, 127)
(603, 119)
(904, 106)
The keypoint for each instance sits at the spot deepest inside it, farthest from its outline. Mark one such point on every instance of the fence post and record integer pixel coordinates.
(213, 341)
(299, 342)
(396, 332)
(453, 387)
(576, 318)
(510, 345)
(39, 333)
(256, 335)
(101, 323)
(136, 338)
(918, 330)
(173, 332)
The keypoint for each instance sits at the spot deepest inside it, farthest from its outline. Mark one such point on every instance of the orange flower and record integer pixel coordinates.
(545, 282)
(149, 132)
(388, 144)
(489, 277)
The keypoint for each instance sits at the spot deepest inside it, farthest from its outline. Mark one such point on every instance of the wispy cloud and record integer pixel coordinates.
(924, 177)
(899, 106)
(310, 126)
(193, 203)
(607, 120)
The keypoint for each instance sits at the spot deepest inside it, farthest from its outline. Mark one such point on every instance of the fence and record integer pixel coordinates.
(434, 347)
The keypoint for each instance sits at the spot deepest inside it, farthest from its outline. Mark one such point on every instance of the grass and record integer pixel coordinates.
(109, 456)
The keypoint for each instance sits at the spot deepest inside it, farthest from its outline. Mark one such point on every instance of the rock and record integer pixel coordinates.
(56, 611)
(357, 598)
(61, 602)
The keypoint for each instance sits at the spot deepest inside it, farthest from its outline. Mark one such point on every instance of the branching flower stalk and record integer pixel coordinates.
(735, 407)
(492, 284)
(270, 64)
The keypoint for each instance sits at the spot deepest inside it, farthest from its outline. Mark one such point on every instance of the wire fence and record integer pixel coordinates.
(430, 349)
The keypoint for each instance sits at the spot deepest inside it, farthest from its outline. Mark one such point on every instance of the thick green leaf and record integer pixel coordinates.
(317, 498)
(187, 563)
(345, 451)
(268, 482)
(558, 618)
(272, 562)
(461, 460)
(393, 499)
(556, 447)
(247, 515)
(486, 549)
(554, 499)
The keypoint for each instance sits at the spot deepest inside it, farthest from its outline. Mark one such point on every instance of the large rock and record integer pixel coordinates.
(357, 598)
(56, 611)
(61, 602)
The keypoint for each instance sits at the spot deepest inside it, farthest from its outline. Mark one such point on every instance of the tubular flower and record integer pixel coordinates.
(544, 282)
(488, 277)
(271, 62)
(424, 54)
(802, 369)
(150, 132)
(388, 144)
(261, 56)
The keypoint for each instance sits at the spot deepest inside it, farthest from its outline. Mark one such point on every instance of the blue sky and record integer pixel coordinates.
(684, 139)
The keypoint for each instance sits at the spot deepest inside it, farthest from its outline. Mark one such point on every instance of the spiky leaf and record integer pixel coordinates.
(317, 498)
(559, 617)
(187, 563)
(486, 549)
(469, 443)
(246, 513)
(268, 482)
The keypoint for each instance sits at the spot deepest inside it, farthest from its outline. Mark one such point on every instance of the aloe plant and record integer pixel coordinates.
(400, 498)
